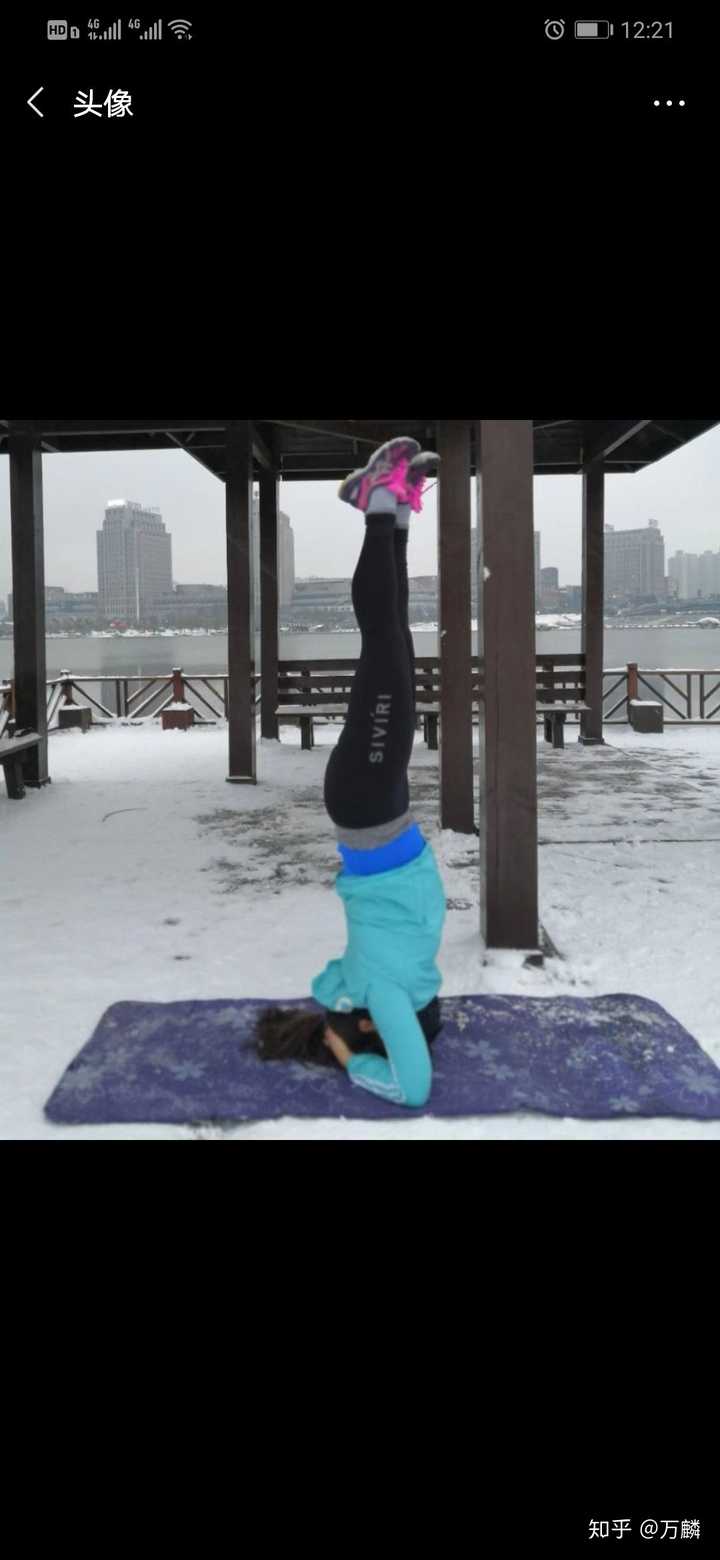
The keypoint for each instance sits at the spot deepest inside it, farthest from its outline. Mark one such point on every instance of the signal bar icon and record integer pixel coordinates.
(113, 32)
(155, 31)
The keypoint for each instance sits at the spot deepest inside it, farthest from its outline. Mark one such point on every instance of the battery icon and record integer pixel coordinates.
(593, 29)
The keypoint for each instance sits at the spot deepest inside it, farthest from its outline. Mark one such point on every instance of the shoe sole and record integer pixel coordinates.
(394, 450)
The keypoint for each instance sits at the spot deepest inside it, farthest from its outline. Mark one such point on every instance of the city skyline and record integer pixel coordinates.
(682, 492)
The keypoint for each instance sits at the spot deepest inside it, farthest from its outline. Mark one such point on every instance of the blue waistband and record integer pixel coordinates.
(359, 863)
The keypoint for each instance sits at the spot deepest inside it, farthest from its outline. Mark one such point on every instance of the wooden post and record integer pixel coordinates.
(26, 513)
(269, 629)
(506, 652)
(455, 641)
(178, 719)
(241, 624)
(593, 587)
(66, 686)
(632, 680)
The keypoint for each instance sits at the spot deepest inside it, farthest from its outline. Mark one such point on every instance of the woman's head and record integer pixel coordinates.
(296, 1034)
(292, 1034)
(355, 1027)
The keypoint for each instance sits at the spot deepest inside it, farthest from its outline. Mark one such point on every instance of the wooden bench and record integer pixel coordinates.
(555, 720)
(320, 690)
(560, 692)
(12, 751)
(310, 690)
(305, 717)
(560, 686)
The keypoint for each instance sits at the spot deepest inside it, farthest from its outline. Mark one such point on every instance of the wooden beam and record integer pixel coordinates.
(694, 430)
(241, 625)
(320, 466)
(456, 728)
(202, 444)
(28, 573)
(363, 433)
(201, 456)
(611, 438)
(677, 438)
(506, 651)
(593, 593)
(261, 453)
(269, 647)
(126, 425)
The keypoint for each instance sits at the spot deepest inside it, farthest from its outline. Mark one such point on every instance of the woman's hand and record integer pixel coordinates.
(340, 1050)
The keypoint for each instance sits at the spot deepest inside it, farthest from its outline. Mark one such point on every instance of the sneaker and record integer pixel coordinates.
(419, 469)
(387, 467)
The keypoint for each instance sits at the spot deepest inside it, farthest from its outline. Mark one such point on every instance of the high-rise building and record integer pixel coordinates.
(692, 574)
(710, 573)
(635, 561)
(550, 599)
(134, 561)
(285, 554)
(286, 560)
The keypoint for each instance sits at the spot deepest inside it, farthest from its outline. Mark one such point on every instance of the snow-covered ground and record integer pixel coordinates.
(140, 874)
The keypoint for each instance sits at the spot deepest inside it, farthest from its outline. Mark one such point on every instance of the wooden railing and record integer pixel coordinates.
(139, 699)
(690, 695)
(698, 690)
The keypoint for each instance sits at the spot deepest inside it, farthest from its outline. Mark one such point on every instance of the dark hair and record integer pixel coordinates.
(293, 1034)
(296, 1034)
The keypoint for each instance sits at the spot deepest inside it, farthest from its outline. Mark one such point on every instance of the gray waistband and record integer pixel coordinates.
(376, 834)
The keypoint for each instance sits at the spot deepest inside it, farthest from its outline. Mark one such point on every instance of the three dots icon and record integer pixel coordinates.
(668, 103)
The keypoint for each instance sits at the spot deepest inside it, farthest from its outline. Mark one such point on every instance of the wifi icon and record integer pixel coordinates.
(180, 28)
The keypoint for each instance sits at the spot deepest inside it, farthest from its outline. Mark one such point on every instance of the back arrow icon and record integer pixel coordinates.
(31, 102)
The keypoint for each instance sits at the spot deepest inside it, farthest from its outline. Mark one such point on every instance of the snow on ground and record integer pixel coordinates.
(140, 874)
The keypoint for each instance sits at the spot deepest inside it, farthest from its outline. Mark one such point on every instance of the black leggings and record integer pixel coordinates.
(366, 779)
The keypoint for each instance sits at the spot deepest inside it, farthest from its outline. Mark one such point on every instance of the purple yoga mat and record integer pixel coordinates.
(588, 1057)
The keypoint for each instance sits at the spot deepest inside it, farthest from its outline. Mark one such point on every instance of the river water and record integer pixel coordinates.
(203, 654)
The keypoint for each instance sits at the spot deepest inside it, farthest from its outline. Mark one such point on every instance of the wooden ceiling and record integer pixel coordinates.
(316, 449)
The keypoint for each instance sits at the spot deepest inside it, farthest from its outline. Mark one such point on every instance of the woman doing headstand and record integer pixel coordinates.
(380, 998)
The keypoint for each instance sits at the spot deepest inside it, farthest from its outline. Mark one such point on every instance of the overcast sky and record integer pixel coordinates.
(682, 492)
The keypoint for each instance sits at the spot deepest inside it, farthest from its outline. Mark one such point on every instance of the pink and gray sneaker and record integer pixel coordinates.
(419, 469)
(387, 467)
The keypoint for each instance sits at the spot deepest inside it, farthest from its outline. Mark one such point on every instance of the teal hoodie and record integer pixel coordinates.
(395, 921)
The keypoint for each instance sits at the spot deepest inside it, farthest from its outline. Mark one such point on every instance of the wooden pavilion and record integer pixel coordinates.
(503, 455)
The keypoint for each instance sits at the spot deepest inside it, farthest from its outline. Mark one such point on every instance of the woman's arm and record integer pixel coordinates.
(338, 1047)
(406, 1077)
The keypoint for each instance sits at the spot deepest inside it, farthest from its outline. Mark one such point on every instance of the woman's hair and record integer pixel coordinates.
(293, 1034)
